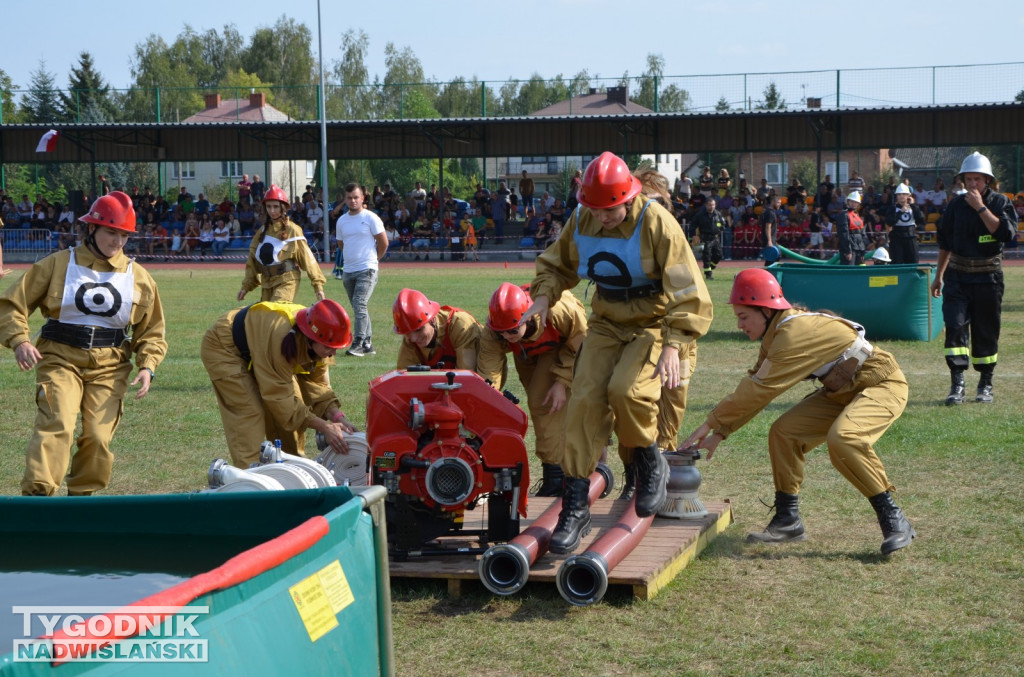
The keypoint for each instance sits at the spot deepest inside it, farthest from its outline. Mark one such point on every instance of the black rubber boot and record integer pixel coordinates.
(956, 388)
(551, 483)
(785, 525)
(628, 482)
(984, 389)
(574, 520)
(896, 529)
(651, 476)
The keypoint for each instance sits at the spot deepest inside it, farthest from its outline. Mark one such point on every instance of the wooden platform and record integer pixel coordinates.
(666, 549)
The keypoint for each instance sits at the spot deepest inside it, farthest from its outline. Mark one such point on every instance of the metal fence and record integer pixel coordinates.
(827, 89)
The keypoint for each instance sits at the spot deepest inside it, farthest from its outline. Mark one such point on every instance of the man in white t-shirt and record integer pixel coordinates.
(361, 235)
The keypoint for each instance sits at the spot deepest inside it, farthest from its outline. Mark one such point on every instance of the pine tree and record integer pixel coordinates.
(88, 97)
(41, 104)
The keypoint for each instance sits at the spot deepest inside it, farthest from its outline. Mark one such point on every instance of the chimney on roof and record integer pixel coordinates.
(212, 101)
(618, 95)
(257, 99)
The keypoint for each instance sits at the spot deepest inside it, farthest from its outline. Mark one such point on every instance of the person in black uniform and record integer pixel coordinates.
(850, 228)
(969, 275)
(902, 221)
(709, 223)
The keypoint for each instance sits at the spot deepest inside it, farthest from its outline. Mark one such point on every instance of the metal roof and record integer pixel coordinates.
(982, 124)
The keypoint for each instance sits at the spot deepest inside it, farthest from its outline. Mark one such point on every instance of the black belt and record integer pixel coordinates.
(275, 269)
(238, 334)
(965, 264)
(83, 336)
(631, 292)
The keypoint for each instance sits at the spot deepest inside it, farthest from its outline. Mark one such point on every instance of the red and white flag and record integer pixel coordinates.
(48, 143)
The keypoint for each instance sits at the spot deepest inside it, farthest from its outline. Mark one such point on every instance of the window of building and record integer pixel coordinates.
(777, 173)
(183, 170)
(310, 169)
(230, 169)
(844, 172)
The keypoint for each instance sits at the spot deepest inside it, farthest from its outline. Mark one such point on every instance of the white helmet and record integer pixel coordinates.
(903, 189)
(976, 162)
(881, 254)
(854, 196)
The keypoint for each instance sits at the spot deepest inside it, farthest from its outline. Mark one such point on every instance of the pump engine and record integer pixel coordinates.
(442, 443)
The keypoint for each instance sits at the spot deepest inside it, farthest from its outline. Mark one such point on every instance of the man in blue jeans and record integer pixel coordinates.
(361, 235)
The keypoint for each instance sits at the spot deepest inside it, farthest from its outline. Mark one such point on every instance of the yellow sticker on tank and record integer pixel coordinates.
(883, 281)
(339, 594)
(314, 607)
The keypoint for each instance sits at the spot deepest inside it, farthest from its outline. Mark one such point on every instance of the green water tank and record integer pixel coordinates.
(892, 302)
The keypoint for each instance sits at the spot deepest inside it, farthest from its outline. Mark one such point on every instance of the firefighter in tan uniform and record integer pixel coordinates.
(101, 307)
(433, 334)
(278, 255)
(3, 272)
(650, 304)
(268, 364)
(672, 405)
(863, 392)
(544, 357)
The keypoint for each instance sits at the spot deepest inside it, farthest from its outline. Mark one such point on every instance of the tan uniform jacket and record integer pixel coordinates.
(568, 316)
(297, 251)
(42, 287)
(457, 328)
(682, 310)
(790, 353)
(275, 376)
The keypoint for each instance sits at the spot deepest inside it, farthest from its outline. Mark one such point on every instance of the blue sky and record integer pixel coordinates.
(497, 42)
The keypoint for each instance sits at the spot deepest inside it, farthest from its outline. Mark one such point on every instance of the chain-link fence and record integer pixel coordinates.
(827, 89)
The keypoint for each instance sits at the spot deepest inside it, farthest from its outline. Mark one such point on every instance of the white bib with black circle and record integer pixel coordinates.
(97, 299)
(268, 252)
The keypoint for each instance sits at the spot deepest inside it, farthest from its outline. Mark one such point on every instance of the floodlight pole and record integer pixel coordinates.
(323, 140)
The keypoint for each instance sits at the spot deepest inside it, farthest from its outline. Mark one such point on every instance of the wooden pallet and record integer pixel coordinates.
(666, 549)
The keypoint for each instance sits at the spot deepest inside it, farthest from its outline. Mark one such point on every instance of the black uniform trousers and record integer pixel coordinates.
(903, 246)
(972, 309)
(712, 253)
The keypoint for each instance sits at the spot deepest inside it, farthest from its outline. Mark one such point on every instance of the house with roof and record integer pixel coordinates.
(216, 179)
(549, 171)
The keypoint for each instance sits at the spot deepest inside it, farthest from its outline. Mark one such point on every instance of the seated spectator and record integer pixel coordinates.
(177, 243)
(548, 233)
(936, 198)
(421, 238)
(225, 206)
(221, 237)
(24, 210)
(556, 212)
(533, 223)
(205, 236)
(480, 224)
(796, 193)
(202, 205)
(468, 232)
(157, 238)
(920, 195)
(190, 238)
(404, 240)
(65, 236)
(67, 215)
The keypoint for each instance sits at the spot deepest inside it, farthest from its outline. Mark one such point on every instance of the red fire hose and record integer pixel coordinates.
(505, 568)
(583, 579)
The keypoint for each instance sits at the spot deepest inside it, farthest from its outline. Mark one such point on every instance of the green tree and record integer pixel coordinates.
(88, 96)
(806, 170)
(404, 75)
(41, 104)
(772, 99)
(354, 100)
(167, 79)
(8, 110)
(281, 54)
(653, 93)
(460, 99)
(723, 105)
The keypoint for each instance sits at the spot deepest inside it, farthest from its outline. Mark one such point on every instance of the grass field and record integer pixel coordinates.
(952, 603)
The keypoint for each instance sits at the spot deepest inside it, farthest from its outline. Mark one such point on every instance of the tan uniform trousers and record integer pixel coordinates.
(281, 288)
(68, 381)
(615, 369)
(849, 425)
(246, 421)
(537, 377)
(671, 407)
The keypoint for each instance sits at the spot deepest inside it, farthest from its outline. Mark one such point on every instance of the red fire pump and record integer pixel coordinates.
(442, 442)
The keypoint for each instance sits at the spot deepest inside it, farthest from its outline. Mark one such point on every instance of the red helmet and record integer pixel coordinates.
(508, 305)
(326, 322)
(276, 193)
(113, 210)
(607, 183)
(757, 287)
(412, 310)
